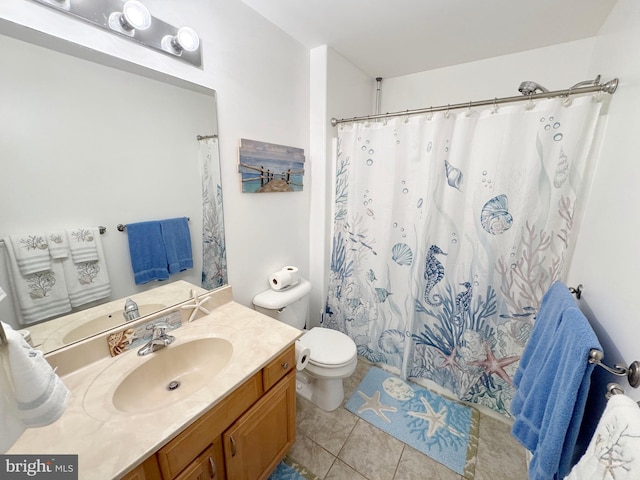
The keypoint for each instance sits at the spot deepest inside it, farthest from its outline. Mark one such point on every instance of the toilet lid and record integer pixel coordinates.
(328, 347)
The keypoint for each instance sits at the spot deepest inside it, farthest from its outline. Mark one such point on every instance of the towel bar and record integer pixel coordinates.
(632, 372)
(122, 227)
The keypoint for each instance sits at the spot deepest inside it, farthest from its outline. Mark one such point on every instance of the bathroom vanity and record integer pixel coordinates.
(233, 416)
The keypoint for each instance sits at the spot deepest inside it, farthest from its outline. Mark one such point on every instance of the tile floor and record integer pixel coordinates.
(339, 445)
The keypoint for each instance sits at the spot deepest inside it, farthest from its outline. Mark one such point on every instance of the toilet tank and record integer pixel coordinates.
(290, 305)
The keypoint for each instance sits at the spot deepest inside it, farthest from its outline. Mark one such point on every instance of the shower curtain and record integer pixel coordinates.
(214, 258)
(448, 229)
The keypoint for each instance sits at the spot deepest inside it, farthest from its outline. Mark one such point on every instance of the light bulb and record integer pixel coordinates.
(186, 39)
(134, 16)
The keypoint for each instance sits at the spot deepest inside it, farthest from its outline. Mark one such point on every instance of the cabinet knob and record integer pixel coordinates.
(212, 464)
(285, 365)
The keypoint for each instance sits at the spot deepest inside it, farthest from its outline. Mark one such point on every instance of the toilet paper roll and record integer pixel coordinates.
(284, 278)
(279, 280)
(302, 356)
(293, 271)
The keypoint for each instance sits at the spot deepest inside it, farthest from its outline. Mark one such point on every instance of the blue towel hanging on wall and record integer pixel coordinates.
(177, 243)
(147, 251)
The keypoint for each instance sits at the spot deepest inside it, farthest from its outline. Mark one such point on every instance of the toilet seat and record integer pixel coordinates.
(329, 348)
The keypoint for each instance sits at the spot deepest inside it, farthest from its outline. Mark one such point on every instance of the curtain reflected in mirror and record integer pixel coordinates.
(84, 144)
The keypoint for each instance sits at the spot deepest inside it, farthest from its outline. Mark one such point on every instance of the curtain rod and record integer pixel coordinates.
(594, 86)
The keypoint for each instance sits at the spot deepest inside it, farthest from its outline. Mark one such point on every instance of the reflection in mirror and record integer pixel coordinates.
(84, 144)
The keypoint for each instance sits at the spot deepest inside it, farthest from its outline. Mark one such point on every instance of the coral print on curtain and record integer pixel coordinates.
(448, 229)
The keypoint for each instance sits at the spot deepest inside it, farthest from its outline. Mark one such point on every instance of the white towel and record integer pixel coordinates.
(613, 451)
(40, 394)
(87, 281)
(39, 295)
(31, 252)
(58, 244)
(82, 242)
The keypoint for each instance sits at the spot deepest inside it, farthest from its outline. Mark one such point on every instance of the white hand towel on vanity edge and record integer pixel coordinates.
(40, 394)
(10, 424)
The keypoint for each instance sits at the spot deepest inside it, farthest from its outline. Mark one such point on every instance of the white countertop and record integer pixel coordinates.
(108, 442)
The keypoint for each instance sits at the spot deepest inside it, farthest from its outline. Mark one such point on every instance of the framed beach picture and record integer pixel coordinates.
(267, 167)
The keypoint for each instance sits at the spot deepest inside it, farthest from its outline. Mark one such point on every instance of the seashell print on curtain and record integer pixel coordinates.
(438, 277)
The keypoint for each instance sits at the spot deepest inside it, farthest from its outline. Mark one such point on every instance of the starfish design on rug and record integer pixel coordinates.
(492, 365)
(449, 360)
(197, 306)
(373, 403)
(436, 420)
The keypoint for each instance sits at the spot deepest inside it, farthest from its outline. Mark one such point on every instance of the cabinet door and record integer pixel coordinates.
(147, 471)
(208, 466)
(255, 444)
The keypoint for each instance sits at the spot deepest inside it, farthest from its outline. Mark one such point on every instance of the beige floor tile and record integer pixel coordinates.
(500, 456)
(371, 452)
(328, 429)
(308, 453)
(342, 471)
(350, 384)
(416, 466)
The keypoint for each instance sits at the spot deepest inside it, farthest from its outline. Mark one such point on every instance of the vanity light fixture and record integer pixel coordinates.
(134, 16)
(186, 39)
(132, 20)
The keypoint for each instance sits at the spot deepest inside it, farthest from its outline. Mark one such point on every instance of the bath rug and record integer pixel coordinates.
(444, 430)
(285, 472)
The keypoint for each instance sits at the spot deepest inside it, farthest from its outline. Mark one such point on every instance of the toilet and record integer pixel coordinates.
(333, 354)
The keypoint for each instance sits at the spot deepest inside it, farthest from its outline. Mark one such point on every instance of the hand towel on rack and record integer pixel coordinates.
(58, 244)
(553, 304)
(39, 295)
(82, 243)
(147, 252)
(87, 281)
(613, 451)
(552, 405)
(30, 251)
(40, 394)
(177, 244)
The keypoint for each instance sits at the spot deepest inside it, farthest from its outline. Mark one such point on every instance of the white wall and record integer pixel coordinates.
(607, 258)
(261, 77)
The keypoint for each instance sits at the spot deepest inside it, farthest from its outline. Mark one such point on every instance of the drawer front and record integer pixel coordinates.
(183, 449)
(279, 367)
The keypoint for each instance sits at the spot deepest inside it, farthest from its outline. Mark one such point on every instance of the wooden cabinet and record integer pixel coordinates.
(255, 444)
(244, 436)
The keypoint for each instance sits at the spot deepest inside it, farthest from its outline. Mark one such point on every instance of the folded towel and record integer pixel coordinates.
(552, 403)
(553, 304)
(613, 451)
(40, 394)
(82, 243)
(87, 281)
(177, 244)
(30, 251)
(58, 244)
(38, 295)
(147, 252)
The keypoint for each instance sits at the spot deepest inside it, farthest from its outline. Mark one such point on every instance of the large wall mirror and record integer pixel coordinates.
(84, 144)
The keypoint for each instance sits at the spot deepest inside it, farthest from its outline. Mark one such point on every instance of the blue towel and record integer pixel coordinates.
(554, 302)
(177, 243)
(148, 255)
(552, 403)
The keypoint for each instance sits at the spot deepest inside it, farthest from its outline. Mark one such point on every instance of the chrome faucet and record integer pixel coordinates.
(130, 310)
(159, 339)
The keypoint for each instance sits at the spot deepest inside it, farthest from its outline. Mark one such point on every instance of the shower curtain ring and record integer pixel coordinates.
(568, 100)
(447, 113)
(495, 105)
(430, 117)
(468, 112)
(406, 117)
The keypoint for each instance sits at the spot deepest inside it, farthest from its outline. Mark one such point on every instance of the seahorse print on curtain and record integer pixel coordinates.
(448, 229)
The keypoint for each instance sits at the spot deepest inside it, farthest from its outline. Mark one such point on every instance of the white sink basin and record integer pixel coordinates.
(141, 384)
